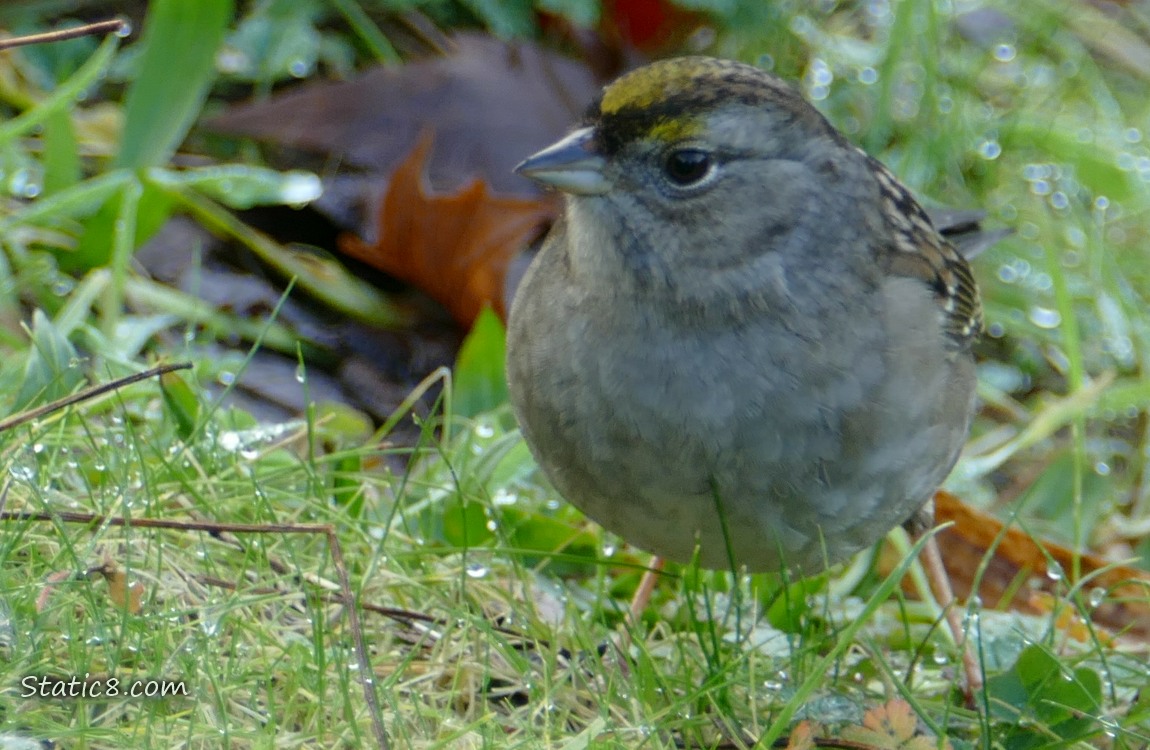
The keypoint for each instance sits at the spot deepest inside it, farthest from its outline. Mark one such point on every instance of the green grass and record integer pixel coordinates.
(484, 600)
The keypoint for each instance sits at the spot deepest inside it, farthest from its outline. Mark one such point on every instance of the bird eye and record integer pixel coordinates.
(687, 166)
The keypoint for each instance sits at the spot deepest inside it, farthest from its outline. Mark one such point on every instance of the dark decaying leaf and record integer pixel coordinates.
(489, 103)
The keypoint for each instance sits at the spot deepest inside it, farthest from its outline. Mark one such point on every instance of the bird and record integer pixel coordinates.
(744, 341)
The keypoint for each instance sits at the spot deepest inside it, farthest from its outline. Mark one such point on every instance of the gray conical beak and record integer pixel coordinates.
(571, 165)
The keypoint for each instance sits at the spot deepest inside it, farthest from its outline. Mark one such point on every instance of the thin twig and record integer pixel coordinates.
(111, 26)
(89, 393)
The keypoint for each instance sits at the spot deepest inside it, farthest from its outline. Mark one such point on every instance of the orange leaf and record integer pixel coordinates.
(455, 247)
(1020, 559)
(802, 736)
(890, 726)
(122, 592)
(895, 720)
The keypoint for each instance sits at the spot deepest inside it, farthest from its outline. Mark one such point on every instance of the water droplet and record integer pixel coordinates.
(476, 570)
(1055, 572)
(1102, 203)
(1102, 469)
(1033, 172)
(1132, 135)
(125, 29)
(1004, 52)
(300, 373)
(1044, 317)
(226, 377)
(484, 430)
(1097, 596)
(26, 473)
(989, 149)
(503, 497)
(299, 68)
(868, 75)
(233, 61)
(1059, 200)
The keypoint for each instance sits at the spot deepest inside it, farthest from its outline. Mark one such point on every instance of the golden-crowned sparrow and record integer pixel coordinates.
(744, 337)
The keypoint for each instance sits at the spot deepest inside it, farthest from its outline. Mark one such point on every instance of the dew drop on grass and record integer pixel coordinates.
(1097, 596)
(476, 570)
(1055, 572)
(26, 473)
(299, 68)
(989, 149)
(1044, 317)
(1005, 52)
(503, 497)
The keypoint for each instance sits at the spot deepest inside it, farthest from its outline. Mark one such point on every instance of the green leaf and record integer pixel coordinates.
(52, 369)
(145, 215)
(277, 40)
(79, 201)
(1051, 698)
(240, 186)
(176, 68)
(61, 154)
(505, 19)
(63, 96)
(181, 403)
(480, 382)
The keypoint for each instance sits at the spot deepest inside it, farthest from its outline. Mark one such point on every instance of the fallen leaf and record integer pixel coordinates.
(803, 736)
(455, 247)
(123, 592)
(891, 726)
(1018, 576)
(489, 103)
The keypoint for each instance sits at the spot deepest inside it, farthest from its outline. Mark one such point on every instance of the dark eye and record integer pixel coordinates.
(687, 166)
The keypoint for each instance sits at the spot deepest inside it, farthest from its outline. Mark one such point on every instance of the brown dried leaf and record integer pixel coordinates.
(1126, 608)
(455, 247)
(1018, 569)
(121, 591)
